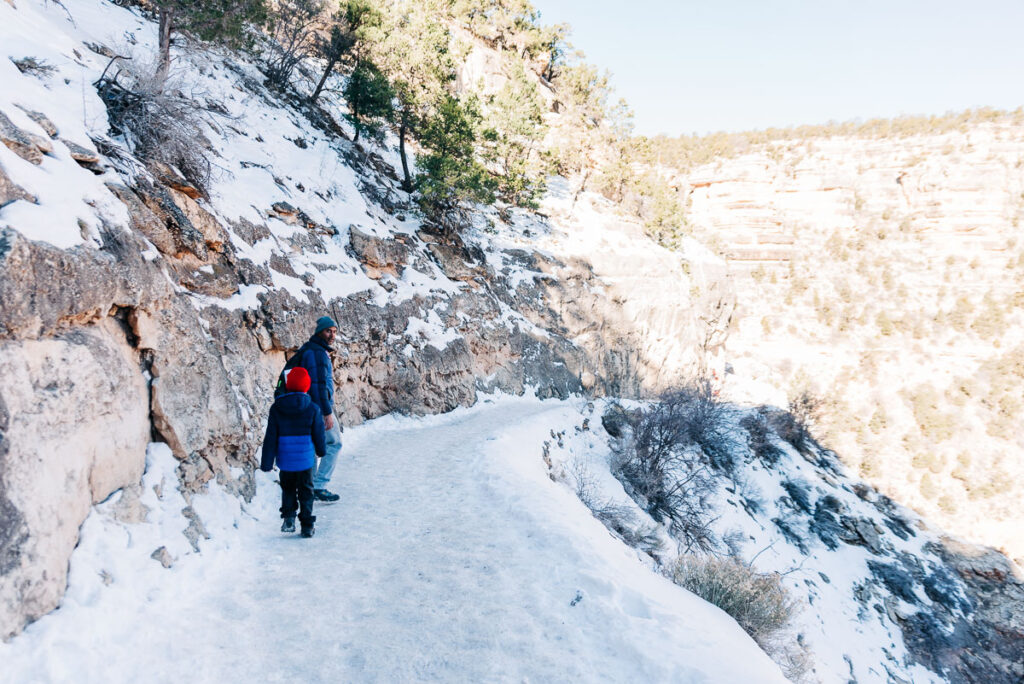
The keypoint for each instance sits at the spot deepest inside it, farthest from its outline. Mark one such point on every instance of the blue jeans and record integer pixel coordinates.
(326, 468)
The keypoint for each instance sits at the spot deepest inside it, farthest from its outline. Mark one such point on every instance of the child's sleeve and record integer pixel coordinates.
(270, 444)
(319, 437)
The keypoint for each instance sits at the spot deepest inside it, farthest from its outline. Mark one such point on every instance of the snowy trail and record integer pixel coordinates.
(450, 557)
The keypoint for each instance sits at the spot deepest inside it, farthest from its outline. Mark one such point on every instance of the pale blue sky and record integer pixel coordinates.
(734, 65)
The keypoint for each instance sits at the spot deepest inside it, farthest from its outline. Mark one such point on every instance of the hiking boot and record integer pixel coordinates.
(288, 525)
(307, 531)
(324, 495)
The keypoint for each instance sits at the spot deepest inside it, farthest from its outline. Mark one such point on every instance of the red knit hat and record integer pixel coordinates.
(297, 380)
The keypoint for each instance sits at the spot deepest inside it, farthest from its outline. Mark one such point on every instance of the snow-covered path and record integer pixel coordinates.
(450, 557)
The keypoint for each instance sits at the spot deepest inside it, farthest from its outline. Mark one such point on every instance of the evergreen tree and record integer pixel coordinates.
(515, 130)
(416, 57)
(583, 93)
(226, 21)
(450, 174)
(503, 24)
(553, 45)
(331, 49)
(369, 97)
(348, 35)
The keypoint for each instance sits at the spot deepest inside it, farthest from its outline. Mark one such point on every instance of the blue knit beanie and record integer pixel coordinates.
(323, 323)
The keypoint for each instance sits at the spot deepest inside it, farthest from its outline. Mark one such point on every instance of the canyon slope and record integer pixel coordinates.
(882, 268)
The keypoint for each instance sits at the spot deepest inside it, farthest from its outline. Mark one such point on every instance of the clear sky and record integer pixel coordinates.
(732, 65)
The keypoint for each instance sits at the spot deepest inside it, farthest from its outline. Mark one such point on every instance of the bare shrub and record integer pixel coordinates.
(704, 421)
(160, 124)
(757, 601)
(669, 480)
(759, 438)
(619, 520)
(293, 28)
(795, 425)
(39, 68)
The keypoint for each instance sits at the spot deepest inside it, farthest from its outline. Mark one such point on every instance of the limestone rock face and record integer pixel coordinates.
(19, 141)
(144, 220)
(92, 283)
(646, 316)
(382, 256)
(10, 191)
(43, 121)
(74, 424)
(193, 401)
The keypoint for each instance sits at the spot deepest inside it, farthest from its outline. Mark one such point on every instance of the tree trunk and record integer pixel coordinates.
(356, 123)
(164, 65)
(403, 129)
(579, 190)
(323, 80)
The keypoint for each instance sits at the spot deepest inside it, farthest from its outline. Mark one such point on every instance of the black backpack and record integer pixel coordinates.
(280, 389)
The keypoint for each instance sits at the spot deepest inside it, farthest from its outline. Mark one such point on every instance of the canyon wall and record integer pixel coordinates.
(885, 273)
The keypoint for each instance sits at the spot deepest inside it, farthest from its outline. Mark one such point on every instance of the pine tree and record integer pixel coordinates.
(415, 56)
(504, 24)
(450, 173)
(369, 96)
(552, 43)
(331, 49)
(515, 130)
(348, 36)
(583, 93)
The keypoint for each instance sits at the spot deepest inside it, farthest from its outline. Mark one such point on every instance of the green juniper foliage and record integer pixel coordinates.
(415, 54)
(450, 172)
(545, 110)
(351, 27)
(369, 97)
(331, 49)
(515, 129)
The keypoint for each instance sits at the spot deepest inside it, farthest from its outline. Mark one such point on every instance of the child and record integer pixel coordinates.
(295, 437)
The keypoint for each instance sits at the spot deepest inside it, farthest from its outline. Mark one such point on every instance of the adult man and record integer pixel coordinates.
(315, 357)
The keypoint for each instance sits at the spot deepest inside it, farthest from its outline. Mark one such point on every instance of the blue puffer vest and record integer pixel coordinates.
(295, 434)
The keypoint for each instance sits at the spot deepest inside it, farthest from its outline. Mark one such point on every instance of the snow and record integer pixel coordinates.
(67, 193)
(846, 638)
(247, 297)
(431, 331)
(450, 557)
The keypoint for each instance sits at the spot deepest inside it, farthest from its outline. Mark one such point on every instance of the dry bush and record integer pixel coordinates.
(158, 121)
(757, 601)
(620, 520)
(759, 439)
(292, 30)
(795, 425)
(39, 68)
(670, 480)
(704, 421)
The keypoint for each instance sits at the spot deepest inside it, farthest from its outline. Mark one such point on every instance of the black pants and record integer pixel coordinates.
(297, 493)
